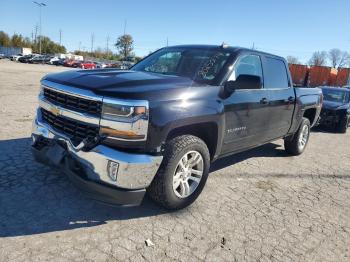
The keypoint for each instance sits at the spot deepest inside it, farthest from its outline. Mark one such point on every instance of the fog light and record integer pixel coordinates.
(112, 169)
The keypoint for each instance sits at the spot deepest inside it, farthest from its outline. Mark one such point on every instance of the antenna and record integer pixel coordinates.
(224, 45)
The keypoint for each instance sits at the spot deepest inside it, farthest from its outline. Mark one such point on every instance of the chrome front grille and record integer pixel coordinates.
(72, 102)
(75, 130)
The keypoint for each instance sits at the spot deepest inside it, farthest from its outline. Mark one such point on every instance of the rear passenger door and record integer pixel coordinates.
(281, 96)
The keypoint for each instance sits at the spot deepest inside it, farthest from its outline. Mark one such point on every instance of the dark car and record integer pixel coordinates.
(336, 108)
(160, 125)
(41, 59)
(26, 58)
(59, 62)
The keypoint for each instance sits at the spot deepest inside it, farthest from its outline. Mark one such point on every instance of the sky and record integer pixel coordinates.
(296, 28)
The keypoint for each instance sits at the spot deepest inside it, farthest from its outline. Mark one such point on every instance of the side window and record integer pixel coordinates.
(275, 74)
(247, 65)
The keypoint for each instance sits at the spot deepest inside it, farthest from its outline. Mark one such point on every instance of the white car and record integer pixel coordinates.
(54, 59)
(15, 57)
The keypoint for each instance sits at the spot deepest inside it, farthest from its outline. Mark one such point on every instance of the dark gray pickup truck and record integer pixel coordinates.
(157, 127)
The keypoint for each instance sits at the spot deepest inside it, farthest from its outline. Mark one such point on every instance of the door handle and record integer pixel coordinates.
(291, 99)
(264, 101)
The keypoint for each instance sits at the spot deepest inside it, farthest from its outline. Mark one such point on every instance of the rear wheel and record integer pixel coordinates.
(343, 125)
(182, 174)
(296, 143)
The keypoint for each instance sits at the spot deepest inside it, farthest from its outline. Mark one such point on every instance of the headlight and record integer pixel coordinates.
(124, 120)
(120, 112)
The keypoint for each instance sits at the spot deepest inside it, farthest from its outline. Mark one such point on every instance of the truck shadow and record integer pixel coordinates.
(324, 129)
(35, 199)
(268, 150)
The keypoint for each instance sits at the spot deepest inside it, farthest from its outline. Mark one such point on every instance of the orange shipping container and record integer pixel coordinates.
(332, 77)
(299, 74)
(319, 76)
(342, 76)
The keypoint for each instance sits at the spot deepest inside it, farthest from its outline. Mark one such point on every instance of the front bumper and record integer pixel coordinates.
(89, 170)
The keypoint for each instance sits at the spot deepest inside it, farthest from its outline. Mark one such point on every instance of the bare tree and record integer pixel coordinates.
(292, 60)
(338, 58)
(334, 56)
(318, 58)
(344, 59)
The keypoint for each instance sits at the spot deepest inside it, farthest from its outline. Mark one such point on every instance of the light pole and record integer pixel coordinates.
(40, 5)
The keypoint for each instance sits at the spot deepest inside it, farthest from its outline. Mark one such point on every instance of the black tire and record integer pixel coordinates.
(161, 189)
(291, 143)
(343, 125)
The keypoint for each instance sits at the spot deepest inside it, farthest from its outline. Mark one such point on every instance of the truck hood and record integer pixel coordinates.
(120, 83)
(331, 105)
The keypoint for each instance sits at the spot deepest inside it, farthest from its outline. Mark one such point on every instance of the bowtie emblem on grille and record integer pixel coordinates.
(55, 111)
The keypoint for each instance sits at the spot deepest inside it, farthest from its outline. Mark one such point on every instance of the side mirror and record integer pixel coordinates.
(244, 82)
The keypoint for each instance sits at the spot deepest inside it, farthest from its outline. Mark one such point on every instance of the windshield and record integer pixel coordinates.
(336, 95)
(197, 64)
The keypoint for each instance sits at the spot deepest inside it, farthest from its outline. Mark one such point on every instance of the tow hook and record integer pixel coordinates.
(89, 143)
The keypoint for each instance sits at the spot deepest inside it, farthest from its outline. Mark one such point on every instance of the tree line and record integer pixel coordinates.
(124, 45)
(334, 57)
(17, 40)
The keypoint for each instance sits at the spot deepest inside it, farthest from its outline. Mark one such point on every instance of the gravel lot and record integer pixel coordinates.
(259, 205)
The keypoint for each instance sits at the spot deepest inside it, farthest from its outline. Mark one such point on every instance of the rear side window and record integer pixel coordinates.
(275, 74)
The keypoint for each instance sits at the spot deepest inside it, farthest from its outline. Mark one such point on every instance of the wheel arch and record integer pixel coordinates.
(207, 131)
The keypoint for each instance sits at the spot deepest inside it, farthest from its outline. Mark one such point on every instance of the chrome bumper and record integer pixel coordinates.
(136, 171)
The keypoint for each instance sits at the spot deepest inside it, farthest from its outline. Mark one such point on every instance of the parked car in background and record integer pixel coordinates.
(348, 87)
(59, 62)
(53, 59)
(15, 57)
(84, 65)
(27, 58)
(2, 56)
(100, 65)
(68, 62)
(336, 108)
(40, 59)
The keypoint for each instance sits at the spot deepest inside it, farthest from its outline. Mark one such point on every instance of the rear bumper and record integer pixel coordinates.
(89, 170)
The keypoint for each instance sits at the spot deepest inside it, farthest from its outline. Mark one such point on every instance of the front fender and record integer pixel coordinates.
(170, 115)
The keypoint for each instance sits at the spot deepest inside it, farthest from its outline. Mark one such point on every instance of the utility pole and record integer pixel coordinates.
(107, 44)
(92, 42)
(40, 5)
(79, 46)
(36, 34)
(167, 42)
(125, 26)
(60, 36)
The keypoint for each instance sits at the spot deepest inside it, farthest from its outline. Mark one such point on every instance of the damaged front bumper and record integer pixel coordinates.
(124, 184)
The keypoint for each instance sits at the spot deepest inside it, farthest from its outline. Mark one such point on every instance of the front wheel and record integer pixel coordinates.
(296, 143)
(182, 174)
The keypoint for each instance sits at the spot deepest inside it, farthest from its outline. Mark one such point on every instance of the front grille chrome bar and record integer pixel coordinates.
(61, 111)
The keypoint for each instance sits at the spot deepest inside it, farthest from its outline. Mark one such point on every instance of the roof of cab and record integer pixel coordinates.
(232, 49)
